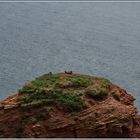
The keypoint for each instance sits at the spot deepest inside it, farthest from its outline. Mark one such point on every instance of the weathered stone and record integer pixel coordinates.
(1, 106)
(6, 107)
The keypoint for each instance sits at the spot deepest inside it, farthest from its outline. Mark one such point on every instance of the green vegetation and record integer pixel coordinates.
(79, 81)
(69, 102)
(40, 82)
(45, 81)
(27, 88)
(100, 91)
(105, 82)
(58, 85)
(53, 89)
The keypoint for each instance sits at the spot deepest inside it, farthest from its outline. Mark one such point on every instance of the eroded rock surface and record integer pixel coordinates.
(69, 105)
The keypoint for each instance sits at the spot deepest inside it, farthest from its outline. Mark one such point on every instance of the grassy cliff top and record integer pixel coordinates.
(64, 90)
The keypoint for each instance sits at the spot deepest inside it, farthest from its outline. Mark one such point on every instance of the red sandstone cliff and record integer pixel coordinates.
(101, 110)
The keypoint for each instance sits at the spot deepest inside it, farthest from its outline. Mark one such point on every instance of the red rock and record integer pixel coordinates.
(102, 118)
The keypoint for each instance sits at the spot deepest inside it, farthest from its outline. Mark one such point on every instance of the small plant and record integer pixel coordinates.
(97, 93)
(27, 88)
(79, 81)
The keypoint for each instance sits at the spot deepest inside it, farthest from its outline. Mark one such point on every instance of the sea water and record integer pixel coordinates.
(101, 39)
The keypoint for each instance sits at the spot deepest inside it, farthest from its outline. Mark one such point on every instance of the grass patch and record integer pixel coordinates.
(59, 85)
(45, 81)
(40, 82)
(101, 91)
(79, 81)
(105, 82)
(98, 93)
(69, 102)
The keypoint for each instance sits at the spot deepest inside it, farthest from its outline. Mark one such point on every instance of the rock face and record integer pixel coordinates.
(69, 105)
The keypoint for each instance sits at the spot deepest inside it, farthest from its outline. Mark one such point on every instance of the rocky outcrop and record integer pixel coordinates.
(69, 105)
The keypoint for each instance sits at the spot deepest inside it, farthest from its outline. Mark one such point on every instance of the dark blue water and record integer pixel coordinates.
(101, 39)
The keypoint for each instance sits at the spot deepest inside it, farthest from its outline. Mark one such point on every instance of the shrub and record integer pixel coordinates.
(58, 85)
(27, 88)
(79, 81)
(70, 102)
(98, 93)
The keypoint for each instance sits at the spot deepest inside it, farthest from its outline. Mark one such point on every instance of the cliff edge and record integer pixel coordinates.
(69, 105)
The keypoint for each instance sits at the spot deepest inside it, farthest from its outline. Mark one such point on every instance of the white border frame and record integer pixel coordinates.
(75, 1)
(69, 1)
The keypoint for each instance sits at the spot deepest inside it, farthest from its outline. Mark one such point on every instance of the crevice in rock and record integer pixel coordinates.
(75, 133)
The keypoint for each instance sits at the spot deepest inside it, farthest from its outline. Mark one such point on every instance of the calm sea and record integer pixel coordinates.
(101, 39)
